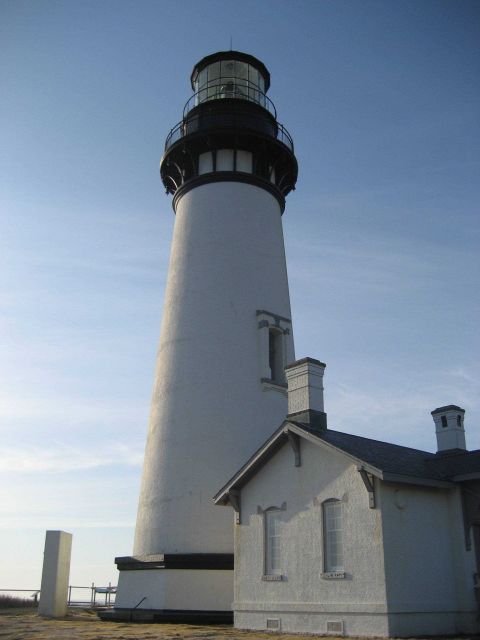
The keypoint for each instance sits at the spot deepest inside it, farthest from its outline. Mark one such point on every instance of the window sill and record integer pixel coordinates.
(273, 578)
(333, 575)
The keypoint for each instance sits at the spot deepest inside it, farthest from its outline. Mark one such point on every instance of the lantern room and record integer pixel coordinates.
(230, 74)
(229, 131)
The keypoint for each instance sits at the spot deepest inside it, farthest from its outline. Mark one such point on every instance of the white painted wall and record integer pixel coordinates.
(175, 589)
(209, 409)
(55, 574)
(407, 568)
(429, 572)
(304, 602)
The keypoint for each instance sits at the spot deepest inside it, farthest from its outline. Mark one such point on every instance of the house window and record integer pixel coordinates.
(333, 535)
(444, 421)
(275, 355)
(273, 539)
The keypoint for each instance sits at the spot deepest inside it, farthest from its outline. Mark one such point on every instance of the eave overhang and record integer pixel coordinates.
(268, 450)
(465, 477)
(426, 482)
(280, 437)
(253, 464)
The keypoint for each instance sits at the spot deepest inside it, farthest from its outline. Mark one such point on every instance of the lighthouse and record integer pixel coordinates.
(226, 336)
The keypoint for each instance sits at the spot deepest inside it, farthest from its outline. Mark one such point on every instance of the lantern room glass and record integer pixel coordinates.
(230, 79)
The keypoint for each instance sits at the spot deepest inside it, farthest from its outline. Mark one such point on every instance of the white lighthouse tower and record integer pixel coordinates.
(226, 336)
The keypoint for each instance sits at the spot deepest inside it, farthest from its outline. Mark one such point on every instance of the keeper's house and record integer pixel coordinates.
(339, 534)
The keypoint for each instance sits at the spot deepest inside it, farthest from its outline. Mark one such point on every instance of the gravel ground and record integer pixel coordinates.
(25, 624)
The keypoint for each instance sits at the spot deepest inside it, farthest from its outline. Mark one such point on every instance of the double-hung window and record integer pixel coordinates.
(273, 540)
(333, 535)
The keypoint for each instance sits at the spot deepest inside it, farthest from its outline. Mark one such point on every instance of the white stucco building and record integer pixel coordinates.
(340, 534)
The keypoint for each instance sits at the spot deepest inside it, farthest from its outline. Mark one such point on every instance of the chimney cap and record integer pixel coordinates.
(448, 407)
(305, 361)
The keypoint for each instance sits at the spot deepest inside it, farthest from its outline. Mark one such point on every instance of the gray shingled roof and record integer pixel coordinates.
(457, 464)
(393, 458)
(389, 461)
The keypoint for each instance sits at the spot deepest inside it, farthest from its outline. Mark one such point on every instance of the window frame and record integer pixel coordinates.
(270, 322)
(276, 355)
(273, 568)
(329, 566)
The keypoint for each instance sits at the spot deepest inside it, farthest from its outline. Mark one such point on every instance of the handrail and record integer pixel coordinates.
(228, 87)
(180, 129)
(137, 605)
(107, 591)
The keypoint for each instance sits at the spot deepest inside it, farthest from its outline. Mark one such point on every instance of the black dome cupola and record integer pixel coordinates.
(229, 131)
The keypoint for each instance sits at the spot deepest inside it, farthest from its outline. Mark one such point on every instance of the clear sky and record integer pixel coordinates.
(382, 233)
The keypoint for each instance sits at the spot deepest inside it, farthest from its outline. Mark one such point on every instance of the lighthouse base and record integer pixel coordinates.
(189, 588)
(167, 616)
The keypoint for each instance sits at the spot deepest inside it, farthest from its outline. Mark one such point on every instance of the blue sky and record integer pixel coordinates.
(382, 233)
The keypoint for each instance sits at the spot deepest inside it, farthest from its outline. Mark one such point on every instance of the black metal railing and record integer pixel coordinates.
(284, 137)
(187, 127)
(230, 88)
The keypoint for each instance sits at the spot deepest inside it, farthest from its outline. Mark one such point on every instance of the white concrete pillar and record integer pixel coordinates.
(55, 574)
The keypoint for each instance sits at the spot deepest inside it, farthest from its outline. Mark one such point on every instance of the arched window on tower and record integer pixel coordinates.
(275, 349)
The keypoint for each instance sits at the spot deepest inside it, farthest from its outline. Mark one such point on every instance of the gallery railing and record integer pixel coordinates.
(192, 126)
(228, 88)
(194, 123)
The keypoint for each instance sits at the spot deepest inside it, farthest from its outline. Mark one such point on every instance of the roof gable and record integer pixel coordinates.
(389, 462)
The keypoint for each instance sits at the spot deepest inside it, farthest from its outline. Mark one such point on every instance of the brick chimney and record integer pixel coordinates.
(449, 428)
(305, 392)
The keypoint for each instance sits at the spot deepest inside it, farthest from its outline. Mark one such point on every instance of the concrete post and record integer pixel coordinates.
(55, 574)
